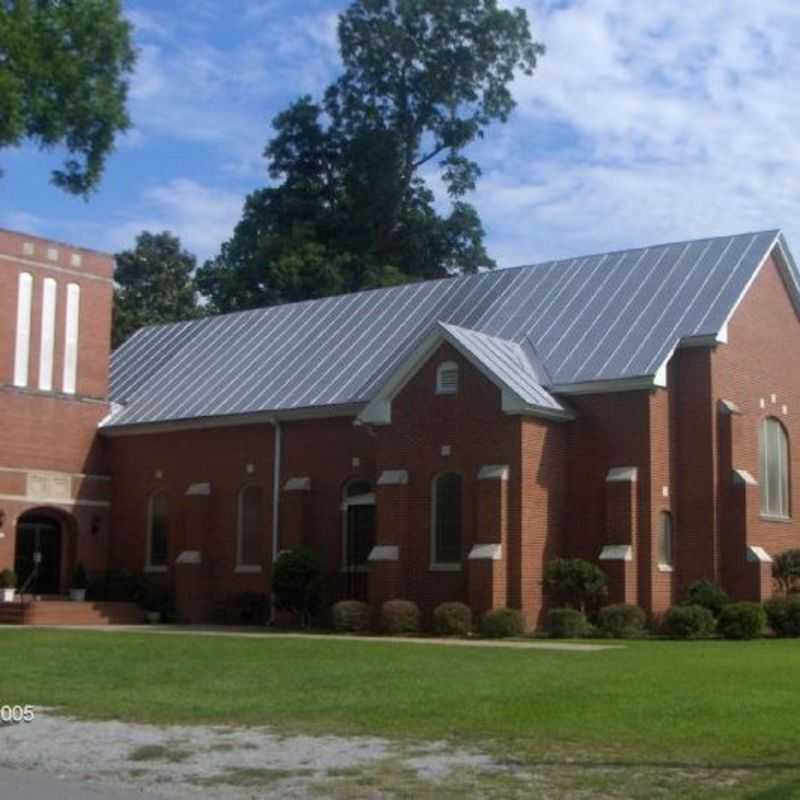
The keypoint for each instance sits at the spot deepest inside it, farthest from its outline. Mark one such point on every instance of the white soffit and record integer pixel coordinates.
(742, 476)
(486, 552)
(393, 477)
(384, 552)
(622, 475)
(617, 552)
(301, 484)
(493, 472)
(759, 554)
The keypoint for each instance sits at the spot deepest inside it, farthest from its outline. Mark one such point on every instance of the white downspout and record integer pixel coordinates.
(276, 502)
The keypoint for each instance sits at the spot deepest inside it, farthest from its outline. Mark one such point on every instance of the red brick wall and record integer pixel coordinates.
(473, 425)
(49, 431)
(758, 362)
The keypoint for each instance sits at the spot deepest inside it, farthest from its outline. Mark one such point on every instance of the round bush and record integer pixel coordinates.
(452, 619)
(500, 623)
(622, 621)
(783, 615)
(742, 621)
(566, 623)
(709, 595)
(351, 616)
(688, 622)
(400, 617)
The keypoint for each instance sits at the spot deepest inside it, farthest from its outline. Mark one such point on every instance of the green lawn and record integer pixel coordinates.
(675, 705)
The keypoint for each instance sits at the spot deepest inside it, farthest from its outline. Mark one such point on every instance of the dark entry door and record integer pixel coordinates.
(39, 541)
(359, 543)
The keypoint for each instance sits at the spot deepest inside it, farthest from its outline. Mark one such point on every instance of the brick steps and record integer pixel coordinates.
(65, 612)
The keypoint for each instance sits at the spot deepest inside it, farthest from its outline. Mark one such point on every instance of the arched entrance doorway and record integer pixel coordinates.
(39, 552)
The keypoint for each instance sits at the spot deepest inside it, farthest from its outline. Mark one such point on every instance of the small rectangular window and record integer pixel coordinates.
(447, 378)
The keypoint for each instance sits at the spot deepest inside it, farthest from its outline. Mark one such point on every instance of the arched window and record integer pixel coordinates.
(774, 469)
(157, 533)
(665, 542)
(447, 378)
(250, 529)
(446, 521)
(358, 508)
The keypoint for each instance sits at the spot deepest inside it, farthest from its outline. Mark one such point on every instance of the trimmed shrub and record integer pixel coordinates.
(742, 621)
(783, 615)
(786, 570)
(688, 622)
(576, 583)
(295, 581)
(8, 579)
(709, 595)
(622, 621)
(400, 617)
(500, 623)
(351, 616)
(566, 623)
(452, 619)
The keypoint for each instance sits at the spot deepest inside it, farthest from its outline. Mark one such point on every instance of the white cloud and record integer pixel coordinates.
(202, 216)
(188, 87)
(646, 122)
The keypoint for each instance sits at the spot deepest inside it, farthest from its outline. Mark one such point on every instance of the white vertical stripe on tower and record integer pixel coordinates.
(23, 346)
(47, 344)
(71, 338)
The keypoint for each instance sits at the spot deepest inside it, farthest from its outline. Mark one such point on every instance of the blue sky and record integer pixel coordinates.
(645, 122)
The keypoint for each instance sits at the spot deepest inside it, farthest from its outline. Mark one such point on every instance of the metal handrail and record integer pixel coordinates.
(31, 579)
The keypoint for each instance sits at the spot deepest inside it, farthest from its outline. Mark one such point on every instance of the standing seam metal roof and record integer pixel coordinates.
(598, 318)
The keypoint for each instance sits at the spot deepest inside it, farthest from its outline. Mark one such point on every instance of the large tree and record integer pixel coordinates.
(154, 285)
(350, 207)
(63, 81)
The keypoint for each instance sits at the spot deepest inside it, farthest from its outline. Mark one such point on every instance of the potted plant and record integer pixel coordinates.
(8, 585)
(156, 602)
(80, 581)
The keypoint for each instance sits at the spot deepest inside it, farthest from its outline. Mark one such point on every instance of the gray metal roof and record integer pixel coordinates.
(510, 363)
(597, 318)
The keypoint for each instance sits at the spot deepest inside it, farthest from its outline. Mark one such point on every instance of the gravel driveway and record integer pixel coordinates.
(221, 762)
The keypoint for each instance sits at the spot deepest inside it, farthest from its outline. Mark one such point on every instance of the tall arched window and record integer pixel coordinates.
(775, 478)
(250, 529)
(157, 533)
(446, 521)
(665, 540)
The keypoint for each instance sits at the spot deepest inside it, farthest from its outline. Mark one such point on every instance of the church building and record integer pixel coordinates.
(433, 441)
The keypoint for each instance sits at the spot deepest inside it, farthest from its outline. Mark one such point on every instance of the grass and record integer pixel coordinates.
(649, 707)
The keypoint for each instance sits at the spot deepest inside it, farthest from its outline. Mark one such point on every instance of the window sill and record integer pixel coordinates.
(244, 569)
(154, 569)
(445, 567)
(771, 518)
(665, 568)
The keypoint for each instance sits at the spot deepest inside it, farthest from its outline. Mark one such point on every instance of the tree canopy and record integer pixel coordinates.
(154, 285)
(63, 81)
(350, 206)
